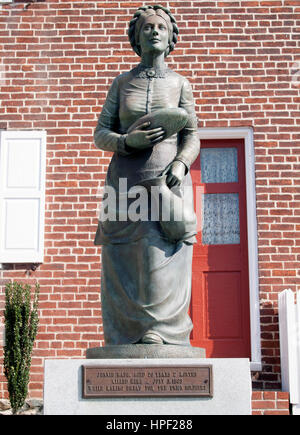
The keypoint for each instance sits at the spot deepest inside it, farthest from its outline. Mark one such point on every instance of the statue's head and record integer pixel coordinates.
(142, 25)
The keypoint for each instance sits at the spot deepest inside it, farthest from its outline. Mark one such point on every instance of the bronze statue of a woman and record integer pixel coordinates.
(146, 275)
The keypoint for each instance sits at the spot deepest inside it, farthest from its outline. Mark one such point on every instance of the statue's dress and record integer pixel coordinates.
(146, 278)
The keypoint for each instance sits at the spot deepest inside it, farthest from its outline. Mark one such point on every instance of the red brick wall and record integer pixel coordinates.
(57, 61)
(270, 403)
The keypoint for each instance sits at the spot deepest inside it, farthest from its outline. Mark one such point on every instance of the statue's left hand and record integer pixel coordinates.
(175, 174)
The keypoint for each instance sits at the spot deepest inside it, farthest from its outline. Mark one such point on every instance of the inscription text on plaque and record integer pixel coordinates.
(112, 381)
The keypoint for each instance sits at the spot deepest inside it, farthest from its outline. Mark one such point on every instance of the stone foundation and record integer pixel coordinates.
(31, 407)
(263, 403)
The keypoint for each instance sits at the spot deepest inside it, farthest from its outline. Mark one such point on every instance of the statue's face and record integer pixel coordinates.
(154, 35)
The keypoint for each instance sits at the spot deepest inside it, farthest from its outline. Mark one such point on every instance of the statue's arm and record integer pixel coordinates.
(189, 143)
(105, 136)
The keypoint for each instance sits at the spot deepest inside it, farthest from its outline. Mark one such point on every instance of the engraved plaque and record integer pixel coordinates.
(116, 381)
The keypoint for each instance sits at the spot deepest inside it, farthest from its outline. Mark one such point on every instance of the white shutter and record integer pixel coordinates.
(22, 196)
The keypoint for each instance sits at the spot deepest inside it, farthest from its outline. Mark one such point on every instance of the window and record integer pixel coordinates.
(22, 196)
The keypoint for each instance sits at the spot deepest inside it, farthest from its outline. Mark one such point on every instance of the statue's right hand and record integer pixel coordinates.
(140, 138)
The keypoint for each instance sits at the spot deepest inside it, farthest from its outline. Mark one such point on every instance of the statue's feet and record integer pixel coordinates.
(151, 338)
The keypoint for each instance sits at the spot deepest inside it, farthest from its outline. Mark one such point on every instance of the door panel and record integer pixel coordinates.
(220, 283)
(224, 320)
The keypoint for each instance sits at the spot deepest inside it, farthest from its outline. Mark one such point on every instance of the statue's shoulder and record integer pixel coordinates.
(180, 77)
(121, 78)
(181, 81)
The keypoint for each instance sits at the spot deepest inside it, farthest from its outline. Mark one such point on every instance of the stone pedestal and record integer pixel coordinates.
(231, 388)
(145, 351)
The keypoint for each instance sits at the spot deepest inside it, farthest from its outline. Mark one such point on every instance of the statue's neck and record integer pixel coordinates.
(153, 61)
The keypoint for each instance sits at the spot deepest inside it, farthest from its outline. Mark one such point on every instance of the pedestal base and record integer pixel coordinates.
(231, 390)
(145, 351)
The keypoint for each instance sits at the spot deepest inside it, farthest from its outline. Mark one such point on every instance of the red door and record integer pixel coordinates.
(220, 286)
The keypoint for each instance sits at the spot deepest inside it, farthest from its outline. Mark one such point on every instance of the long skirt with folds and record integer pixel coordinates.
(146, 279)
(146, 287)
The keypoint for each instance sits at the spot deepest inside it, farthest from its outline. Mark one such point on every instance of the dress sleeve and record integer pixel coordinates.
(106, 137)
(189, 143)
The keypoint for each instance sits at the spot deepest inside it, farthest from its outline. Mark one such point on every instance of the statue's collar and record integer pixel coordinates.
(146, 72)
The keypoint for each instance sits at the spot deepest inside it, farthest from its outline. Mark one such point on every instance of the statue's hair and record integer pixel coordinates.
(132, 24)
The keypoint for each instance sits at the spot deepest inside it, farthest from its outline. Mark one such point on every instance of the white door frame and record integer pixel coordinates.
(246, 133)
